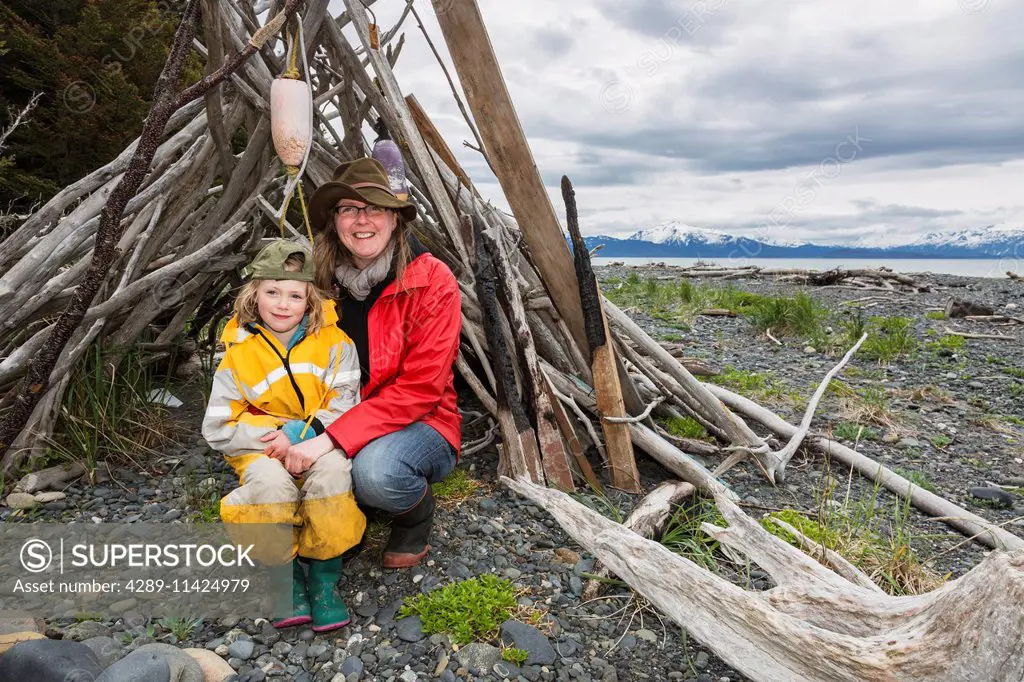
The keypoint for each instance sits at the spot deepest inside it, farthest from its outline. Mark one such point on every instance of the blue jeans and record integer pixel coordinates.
(392, 472)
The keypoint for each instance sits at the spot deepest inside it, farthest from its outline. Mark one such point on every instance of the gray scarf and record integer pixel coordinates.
(359, 282)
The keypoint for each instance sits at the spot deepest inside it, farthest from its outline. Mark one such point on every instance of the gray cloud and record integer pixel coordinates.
(795, 109)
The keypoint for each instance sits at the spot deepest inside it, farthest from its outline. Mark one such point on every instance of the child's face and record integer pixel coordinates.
(281, 303)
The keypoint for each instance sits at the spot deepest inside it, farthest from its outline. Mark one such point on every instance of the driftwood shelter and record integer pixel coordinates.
(155, 239)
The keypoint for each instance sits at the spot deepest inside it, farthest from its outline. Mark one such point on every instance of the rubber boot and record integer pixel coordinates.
(410, 531)
(329, 611)
(301, 612)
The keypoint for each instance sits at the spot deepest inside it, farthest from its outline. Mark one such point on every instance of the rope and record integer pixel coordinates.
(293, 57)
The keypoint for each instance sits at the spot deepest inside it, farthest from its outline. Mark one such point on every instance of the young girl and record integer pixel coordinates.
(288, 372)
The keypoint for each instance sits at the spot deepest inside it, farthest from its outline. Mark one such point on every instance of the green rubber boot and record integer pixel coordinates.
(329, 611)
(301, 611)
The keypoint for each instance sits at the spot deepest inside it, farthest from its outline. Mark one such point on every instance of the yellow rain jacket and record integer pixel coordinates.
(258, 387)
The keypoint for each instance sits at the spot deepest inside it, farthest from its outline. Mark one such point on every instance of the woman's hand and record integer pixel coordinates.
(278, 444)
(302, 455)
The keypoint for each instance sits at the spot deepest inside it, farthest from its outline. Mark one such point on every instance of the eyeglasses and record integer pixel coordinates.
(352, 212)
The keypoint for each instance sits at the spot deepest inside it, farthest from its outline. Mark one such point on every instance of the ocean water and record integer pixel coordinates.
(995, 268)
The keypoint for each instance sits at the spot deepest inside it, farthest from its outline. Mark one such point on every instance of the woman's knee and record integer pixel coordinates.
(385, 484)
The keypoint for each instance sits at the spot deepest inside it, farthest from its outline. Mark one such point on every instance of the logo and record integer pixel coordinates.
(36, 555)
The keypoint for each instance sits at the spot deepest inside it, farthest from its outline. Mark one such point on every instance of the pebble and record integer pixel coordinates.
(241, 649)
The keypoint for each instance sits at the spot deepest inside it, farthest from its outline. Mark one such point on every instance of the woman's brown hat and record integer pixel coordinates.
(361, 180)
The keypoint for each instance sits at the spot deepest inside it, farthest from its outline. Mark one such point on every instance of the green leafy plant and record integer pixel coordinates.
(853, 431)
(684, 427)
(468, 610)
(888, 338)
(755, 385)
(181, 627)
(935, 315)
(514, 656)
(919, 479)
(798, 315)
(940, 440)
(457, 487)
(947, 343)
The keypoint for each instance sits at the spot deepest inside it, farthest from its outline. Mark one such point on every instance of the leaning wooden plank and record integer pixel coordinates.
(552, 450)
(507, 148)
(621, 459)
(571, 439)
(520, 454)
(815, 626)
(433, 138)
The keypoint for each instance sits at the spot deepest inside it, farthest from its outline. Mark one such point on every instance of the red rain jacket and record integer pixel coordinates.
(413, 329)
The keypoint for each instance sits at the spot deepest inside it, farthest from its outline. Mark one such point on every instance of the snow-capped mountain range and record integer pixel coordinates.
(677, 240)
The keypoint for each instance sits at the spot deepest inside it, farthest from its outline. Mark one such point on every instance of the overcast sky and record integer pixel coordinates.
(823, 120)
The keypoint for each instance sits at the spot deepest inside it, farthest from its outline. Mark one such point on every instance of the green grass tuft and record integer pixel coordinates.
(853, 431)
(919, 479)
(683, 534)
(684, 427)
(457, 487)
(888, 338)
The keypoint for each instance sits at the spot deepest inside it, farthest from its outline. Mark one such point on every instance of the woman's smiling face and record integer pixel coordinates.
(365, 234)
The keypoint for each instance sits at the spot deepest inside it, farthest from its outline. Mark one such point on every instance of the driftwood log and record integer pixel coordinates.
(815, 625)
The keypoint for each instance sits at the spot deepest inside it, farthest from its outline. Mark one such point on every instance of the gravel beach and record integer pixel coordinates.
(956, 418)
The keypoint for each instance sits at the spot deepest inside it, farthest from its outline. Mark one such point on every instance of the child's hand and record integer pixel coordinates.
(278, 445)
(302, 455)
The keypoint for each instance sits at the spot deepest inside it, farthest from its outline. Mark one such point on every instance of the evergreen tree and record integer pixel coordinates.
(96, 63)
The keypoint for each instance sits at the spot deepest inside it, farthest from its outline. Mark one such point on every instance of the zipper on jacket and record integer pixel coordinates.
(284, 361)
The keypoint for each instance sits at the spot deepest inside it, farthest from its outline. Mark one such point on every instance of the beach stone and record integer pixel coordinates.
(215, 668)
(139, 667)
(107, 649)
(242, 649)
(410, 629)
(352, 665)
(21, 501)
(49, 660)
(647, 635)
(14, 630)
(49, 496)
(997, 495)
(529, 639)
(87, 629)
(183, 668)
(478, 658)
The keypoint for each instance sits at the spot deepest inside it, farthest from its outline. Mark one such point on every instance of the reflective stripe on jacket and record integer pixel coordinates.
(413, 329)
(260, 385)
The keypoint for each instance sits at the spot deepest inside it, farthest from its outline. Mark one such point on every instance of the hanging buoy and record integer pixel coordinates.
(291, 104)
(390, 156)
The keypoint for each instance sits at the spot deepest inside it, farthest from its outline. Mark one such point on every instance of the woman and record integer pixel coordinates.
(402, 310)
